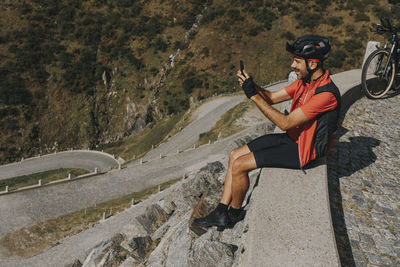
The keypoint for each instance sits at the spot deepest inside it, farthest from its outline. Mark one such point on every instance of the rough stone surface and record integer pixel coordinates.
(154, 217)
(158, 238)
(363, 172)
(96, 254)
(209, 251)
(205, 180)
(76, 263)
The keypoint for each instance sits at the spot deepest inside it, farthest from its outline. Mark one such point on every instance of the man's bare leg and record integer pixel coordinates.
(240, 178)
(227, 192)
(219, 216)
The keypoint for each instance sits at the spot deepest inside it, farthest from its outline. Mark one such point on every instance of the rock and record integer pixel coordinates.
(95, 256)
(153, 218)
(129, 262)
(168, 206)
(134, 229)
(101, 255)
(292, 77)
(209, 252)
(178, 251)
(141, 247)
(205, 180)
(159, 256)
(77, 263)
(108, 259)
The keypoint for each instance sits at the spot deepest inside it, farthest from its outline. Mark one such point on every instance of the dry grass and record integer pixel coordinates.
(46, 177)
(226, 125)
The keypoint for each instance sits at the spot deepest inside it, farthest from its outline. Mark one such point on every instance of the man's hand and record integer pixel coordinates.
(246, 81)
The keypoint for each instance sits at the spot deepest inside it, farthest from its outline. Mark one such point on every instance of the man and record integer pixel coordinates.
(309, 126)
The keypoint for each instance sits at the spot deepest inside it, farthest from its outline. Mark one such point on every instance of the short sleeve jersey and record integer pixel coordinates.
(311, 105)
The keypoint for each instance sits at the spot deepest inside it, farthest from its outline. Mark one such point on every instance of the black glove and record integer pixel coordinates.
(249, 87)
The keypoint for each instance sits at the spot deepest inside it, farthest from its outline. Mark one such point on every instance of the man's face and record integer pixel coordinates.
(299, 67)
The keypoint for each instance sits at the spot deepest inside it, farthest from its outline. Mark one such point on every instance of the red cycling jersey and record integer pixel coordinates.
(315, 99)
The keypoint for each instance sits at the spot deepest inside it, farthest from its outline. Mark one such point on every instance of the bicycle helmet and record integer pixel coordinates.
(313, 47)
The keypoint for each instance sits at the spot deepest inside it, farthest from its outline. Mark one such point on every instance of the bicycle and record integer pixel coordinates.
(381, 67)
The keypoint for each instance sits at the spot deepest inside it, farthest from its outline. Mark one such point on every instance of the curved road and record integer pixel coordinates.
(88, 160)
(32, 206)
(205, 118)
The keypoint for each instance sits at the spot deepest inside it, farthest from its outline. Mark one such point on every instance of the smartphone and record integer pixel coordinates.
(242, 67)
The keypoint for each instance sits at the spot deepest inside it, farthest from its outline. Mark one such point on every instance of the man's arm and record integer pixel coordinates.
(273, 97)
(284, 122)
(270, 97)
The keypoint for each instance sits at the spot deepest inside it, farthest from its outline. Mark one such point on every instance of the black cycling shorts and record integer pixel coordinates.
(275, 150)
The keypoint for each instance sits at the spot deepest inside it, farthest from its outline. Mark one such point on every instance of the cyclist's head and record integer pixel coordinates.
(310, 47)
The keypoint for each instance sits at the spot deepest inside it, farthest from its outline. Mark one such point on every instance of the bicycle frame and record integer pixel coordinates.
(392, 54)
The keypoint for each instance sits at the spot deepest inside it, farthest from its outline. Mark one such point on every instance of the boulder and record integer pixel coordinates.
(153, 218)
(209, 251)
(95, 256)
(179, 249)
(141, 247)
(77, 263)
(205, 180)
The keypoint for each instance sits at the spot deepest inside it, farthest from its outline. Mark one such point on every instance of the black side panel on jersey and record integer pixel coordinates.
(327, 121)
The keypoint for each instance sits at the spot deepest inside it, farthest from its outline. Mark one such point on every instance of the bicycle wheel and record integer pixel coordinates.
(374, 80)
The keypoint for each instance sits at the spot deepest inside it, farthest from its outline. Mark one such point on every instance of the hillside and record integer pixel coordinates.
(87, 73)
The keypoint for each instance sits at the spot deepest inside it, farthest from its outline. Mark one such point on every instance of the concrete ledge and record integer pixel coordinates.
(289, 222)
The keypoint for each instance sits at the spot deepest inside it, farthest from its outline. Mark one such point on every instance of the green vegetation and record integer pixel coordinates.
(33, 179)
(82, 73)
(226, 125)
(31, 240)
(137, 145)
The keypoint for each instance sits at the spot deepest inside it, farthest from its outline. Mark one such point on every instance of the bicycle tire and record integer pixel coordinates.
(374, 82)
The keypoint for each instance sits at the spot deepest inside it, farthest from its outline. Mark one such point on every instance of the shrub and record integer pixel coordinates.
(361, 17)
(205, 51)
(234, 16)
(288, 35)
(352, 45)
(336, 59)
(309, 21)
(212, 13)
(191, 83)
(350, 29)
(254, 31)
(25, 8)
(154, 71)
(160, 45)
(334, 21)
(189, 20)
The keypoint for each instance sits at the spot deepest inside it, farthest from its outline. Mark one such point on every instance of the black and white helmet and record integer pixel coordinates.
(310, 47)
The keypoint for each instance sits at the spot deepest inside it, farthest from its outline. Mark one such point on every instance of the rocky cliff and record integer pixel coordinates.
(163, 236)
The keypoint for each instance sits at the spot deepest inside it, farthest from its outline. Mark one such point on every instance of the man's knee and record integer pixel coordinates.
(238, 167)
(238, 152)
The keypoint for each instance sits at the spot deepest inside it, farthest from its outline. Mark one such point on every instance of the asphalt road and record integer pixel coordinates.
(205, 118)
(32, 206)
(84, 159)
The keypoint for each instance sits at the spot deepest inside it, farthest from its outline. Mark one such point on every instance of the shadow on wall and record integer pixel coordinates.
(345, 159)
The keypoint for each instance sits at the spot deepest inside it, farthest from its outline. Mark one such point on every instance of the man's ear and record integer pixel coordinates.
(312, 64)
